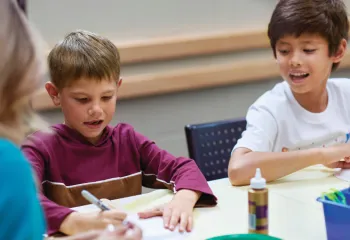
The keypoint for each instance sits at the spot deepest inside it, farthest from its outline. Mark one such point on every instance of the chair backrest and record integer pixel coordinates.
(210, 145)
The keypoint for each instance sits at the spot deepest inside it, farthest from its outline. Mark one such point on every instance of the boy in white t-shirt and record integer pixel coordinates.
(304, 120)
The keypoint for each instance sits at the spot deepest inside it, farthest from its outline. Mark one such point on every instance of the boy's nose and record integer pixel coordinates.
(295, 61)
(95, 110)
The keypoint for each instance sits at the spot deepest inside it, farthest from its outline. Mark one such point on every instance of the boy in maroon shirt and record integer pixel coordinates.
(86, 153)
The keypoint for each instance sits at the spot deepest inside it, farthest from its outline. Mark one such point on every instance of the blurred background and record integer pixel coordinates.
(183, 62)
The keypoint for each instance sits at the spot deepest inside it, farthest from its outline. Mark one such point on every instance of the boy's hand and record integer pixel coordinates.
(128, 232)
(337, 156)
(178, 211)
(77, 222)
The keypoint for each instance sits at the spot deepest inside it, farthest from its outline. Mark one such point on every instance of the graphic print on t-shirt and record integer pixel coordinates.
(330, 140)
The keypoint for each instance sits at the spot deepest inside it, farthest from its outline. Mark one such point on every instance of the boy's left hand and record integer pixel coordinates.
(178, 211)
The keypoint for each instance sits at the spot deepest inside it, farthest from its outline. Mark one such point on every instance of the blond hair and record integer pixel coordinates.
(21, 68)
(83, 54)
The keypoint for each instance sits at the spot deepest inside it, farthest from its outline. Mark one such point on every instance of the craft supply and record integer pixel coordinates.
(335, 196)
(258, 204)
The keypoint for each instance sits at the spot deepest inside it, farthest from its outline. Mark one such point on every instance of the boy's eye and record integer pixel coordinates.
(283, 52)
(106, 98)
(309, 50)
(82, 100)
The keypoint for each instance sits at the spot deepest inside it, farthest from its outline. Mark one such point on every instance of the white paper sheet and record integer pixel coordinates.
(343, 174)
(152, 229)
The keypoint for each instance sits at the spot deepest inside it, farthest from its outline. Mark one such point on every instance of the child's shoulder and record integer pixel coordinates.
(274, 97)
(41, 137)
(339, 85)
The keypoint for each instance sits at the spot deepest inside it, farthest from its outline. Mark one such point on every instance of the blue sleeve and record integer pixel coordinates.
(21, 214)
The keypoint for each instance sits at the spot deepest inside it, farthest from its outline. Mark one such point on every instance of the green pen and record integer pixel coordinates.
(335, 196)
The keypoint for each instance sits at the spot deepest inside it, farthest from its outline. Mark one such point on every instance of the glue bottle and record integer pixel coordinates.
(258, 204)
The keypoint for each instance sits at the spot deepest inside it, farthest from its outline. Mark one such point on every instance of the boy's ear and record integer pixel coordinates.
(338, 56)
(119, 82)
(53, 93)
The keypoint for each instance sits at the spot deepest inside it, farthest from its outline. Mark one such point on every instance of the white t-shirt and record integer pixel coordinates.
(276, 122)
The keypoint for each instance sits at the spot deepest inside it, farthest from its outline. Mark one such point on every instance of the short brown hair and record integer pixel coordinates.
(83, 54)
(327, 18)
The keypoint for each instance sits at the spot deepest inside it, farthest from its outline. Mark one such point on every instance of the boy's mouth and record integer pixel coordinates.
(298, 77)
(94, 124)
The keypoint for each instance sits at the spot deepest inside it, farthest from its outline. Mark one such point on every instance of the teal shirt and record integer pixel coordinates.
(21, 216)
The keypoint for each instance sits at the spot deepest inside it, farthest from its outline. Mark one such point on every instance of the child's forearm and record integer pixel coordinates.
(189, 195)
(70, 224)
(78, 222)
(273, 165)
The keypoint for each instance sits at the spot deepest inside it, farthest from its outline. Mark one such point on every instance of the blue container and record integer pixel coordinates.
(249, 236)
(337, 217)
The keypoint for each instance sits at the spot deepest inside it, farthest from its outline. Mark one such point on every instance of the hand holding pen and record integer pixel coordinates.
(110, 233)
(94, 200)
(78, 222)
(125, 231)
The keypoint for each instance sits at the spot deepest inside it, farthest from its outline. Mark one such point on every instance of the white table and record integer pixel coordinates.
(294, 212)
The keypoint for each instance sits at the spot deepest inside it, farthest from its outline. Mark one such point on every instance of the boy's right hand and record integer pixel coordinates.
(124, 232)
(77, 222)
(337, 156)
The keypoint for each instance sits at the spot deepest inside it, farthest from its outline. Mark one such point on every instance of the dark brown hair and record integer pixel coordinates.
(327, 18)
(83, 54)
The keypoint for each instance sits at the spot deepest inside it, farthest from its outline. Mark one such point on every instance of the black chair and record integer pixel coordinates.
(210, 145)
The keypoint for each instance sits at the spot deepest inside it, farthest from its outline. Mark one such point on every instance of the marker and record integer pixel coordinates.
(92, 199)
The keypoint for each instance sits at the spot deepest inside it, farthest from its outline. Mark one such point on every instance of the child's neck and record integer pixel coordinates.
(314, 102)
(93, 141)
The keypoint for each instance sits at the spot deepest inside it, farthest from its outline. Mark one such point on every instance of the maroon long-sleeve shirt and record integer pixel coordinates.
(117, 166)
